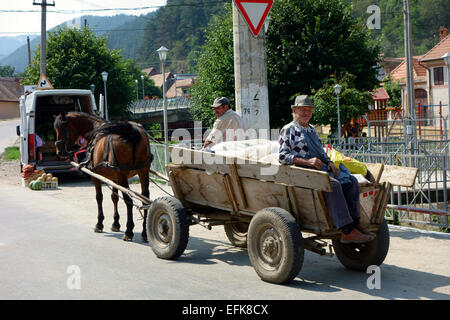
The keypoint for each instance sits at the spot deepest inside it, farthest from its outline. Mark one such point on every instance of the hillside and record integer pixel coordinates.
(102, 25)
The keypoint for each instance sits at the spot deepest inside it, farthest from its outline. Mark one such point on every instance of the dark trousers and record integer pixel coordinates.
(343, 202)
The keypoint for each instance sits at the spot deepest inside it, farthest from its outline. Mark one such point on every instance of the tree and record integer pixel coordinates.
(394, 91)
(352, 102)
(310, 41)
(6, 71)
(215, 68)
(77, 57)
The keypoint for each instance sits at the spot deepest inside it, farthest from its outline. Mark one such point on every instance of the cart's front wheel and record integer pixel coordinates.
(360, 256)
(167, 228)
(275, 245)
(237, 233)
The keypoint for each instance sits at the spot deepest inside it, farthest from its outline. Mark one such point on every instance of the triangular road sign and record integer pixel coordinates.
(254, 12)
(43, 83)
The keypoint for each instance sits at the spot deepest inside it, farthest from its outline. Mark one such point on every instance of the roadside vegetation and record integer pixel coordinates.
(11, 153)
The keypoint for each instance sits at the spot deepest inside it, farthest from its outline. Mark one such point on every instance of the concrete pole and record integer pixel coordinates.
(250, 75)
(43, 63)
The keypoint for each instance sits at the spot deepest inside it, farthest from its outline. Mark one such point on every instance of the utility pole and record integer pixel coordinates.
(411, 107)
(250, 72)
(43, 5)
(29, 50)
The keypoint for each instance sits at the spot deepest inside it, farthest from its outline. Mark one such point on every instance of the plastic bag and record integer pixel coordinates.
(353, 165)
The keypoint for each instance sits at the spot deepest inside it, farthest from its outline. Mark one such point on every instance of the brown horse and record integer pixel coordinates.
(116, 151)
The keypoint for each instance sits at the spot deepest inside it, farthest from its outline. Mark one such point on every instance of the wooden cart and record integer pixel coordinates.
(276, 211)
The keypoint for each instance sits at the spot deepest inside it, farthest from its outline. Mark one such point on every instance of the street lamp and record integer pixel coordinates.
(137, 89)
(93, 88)
(337, 90)
(143, 94)
(105, 77)
(162, 52)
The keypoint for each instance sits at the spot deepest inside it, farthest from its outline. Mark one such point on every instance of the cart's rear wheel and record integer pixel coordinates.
(360, 256)
(275, 245)
(167, 228)
(237, 233)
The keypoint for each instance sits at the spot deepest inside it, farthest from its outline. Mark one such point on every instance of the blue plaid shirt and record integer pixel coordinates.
(304, 142)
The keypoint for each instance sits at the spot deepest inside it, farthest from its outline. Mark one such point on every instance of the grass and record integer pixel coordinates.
(11, 153)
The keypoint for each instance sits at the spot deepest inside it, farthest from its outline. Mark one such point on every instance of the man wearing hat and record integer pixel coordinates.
(228, 126)
(300, 145)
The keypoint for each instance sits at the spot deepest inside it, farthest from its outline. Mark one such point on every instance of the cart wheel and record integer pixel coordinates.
(237, 233)
(167, 228)
(275, 245)
(359, 256)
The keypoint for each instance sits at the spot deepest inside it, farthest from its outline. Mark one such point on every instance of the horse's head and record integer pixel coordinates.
(65, 135)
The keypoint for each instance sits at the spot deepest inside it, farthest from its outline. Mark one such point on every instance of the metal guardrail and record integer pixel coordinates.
(146, 106)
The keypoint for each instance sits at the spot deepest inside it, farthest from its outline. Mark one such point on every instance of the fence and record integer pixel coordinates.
(144, 106)
(427, 201)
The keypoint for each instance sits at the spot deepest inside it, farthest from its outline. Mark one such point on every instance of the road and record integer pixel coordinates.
(48, 250)
(8, 133)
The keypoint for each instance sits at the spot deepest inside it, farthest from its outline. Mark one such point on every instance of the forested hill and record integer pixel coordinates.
(178, 26)
(426, 18)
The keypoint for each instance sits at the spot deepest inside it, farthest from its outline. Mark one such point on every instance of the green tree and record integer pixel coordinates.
(215, 68)
(352, 102)
(309, 41)
(394, 91)
(6, 71)
(77, 57)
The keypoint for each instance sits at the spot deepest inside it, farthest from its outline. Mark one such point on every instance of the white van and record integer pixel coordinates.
(37, 111)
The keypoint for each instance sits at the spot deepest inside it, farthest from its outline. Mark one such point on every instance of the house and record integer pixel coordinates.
(430, 79)
(158, 80)
(10, 91)
(181, 86)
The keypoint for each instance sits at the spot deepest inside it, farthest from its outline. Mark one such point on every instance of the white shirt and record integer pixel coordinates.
(228, 127)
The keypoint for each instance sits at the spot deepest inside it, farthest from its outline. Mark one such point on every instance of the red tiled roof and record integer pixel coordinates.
(10, 89)
(419, 71)
(380, 94)
(438, 50)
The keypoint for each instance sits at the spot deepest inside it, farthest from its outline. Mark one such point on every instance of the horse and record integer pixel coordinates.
(116, 151)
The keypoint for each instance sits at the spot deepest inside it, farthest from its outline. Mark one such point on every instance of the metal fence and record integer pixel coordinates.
(427, 201)
(144, 106)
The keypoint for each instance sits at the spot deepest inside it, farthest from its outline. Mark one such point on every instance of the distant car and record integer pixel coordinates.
(37, 112)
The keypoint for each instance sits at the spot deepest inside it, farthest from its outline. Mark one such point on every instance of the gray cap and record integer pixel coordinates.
(220, 101)
(302, 101)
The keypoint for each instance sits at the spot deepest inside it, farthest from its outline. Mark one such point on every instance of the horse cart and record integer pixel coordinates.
(276, 211)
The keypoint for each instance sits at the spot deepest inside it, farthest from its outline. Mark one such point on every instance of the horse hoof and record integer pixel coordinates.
(144, 239)
(127, 238)
(115, 229)
(98, 230)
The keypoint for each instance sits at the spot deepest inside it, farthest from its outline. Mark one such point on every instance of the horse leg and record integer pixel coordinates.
(144, 178)
(128, 236)
(115, 199)
(99, 198)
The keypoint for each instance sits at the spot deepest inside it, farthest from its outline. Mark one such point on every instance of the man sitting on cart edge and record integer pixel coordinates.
(300, 145)
(228, 126)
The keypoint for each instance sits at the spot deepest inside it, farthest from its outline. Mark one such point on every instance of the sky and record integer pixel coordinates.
(20, 17)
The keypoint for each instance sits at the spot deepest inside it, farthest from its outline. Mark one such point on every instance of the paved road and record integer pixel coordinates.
(48, 250)
(8, 133)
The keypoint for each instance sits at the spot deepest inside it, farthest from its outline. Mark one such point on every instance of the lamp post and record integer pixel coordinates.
(143, 94)
(137, 89)
(337, 90)
(266, 23)
(162, 52)
(105, 78)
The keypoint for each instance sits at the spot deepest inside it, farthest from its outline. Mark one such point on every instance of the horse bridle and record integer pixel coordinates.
(68, 128)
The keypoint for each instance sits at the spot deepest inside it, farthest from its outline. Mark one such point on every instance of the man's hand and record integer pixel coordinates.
(333, 168)
(315, 163)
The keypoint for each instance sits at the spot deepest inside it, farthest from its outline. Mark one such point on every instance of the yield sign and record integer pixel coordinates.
(254, 12)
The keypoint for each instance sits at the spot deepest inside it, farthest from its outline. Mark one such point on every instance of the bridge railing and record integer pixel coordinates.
(145, 106)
